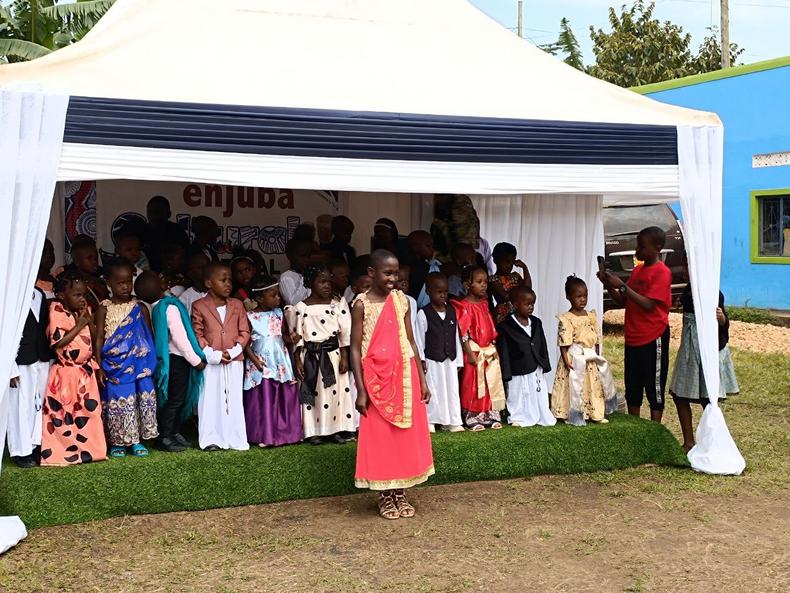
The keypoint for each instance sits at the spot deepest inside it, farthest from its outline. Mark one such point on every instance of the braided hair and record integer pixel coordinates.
(311, 273)
(573, 281)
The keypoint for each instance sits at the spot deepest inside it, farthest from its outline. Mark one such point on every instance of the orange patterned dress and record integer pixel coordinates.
(72, 425)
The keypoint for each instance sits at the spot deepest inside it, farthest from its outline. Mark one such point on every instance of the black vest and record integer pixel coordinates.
(34, 345)
(441, 335)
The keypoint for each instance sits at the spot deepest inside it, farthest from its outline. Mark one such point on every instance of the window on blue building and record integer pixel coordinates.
(774, 226)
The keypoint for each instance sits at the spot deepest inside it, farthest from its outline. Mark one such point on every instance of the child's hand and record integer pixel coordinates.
(343, 366)
(424, 366)
(226, 359)
(720, 316)
(520, 264)
(299, 369)
(258, 362)
(426, 393)
(85, 317)
(201, 365)
(568, 363)
(362, 402)
(14, 382)
(101, 378)
(471, 358)
(294, 337)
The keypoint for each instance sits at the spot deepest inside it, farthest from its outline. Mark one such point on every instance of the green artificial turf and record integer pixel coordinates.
(196, 480)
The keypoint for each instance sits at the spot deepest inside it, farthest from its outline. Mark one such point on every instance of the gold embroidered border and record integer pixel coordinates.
(393, 484)
(407, 354)
(116, 315)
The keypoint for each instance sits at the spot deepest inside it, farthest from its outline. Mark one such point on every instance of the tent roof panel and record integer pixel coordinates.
(442, 57)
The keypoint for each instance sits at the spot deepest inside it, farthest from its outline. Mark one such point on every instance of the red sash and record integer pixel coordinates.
(387, 366)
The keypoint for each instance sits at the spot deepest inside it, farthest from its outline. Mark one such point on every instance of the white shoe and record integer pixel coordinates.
(517, 424)
(455, 428)
(431, 428)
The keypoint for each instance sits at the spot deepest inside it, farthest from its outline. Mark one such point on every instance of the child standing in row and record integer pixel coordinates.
(394, 451)
(71, 416)
(525, 357)
(323, 324)
(505, 279)
(438, 341)
(482, 392)
(126, 356)
(196, 265)
(222, 330)
(272, 412)
(583, 386)
(180, 361)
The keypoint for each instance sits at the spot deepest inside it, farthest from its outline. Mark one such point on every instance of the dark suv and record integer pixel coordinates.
(621, 224)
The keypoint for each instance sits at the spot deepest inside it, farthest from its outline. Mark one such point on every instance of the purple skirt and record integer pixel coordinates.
(273, 414)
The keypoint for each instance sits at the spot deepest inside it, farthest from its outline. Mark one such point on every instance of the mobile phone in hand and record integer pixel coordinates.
(601, 264)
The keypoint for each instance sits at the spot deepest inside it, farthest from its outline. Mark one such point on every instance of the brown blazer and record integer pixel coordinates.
(210, 330)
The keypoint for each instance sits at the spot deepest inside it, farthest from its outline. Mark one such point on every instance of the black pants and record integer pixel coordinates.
(177, 383)
(646, 369)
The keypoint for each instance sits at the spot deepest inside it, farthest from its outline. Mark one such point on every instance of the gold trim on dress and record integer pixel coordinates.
(407, 354)
(393, 484)
(116, 314)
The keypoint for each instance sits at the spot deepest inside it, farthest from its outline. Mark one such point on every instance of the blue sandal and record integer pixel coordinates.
(117, 451)
(139, 450)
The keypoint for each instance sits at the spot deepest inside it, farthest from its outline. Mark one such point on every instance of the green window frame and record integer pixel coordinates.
(770, 216)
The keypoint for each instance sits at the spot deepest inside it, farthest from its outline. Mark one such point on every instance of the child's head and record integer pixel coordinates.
(463, 255)
(305, 232)
(243, 270)
(71, 289)
(298, 253)
(148, 287)
(47, 258)
(385, 232)
(437, 288)
(383, 271)
(128, 245)
(318, 280)
(421, 243)
(649, 243)
(404, 271)
(339, 272)
(475, 279)
(196, 266)
(119, 274)
(85, 256)
(523, 300)
(158, 211)
(576, 292)
(205, 230)
(218, 280)
(342, 229)
(266, 292)
(172, 257)
(504, 256)
(360, 281)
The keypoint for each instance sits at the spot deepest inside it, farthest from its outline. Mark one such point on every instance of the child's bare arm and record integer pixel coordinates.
(147, 317)
(343, 366)
(566, 357)
(357, 319)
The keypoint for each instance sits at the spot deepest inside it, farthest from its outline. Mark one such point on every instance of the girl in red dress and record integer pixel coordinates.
(482, 391)
(394, 451)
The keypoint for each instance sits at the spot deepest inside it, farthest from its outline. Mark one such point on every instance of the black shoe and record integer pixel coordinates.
(212, 448)
(26, 461)
(169, 445)
(181, 440)
(316, 440)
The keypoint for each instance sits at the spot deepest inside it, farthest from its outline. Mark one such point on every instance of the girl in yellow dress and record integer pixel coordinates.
(583, 386)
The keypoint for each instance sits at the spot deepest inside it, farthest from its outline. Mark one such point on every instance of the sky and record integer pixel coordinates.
(760, 26)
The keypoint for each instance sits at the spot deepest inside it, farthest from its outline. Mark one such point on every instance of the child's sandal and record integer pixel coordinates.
(477, 428)
(496, 426)
(404, 508)
(387, 507)
(139, 450)
(117, 451)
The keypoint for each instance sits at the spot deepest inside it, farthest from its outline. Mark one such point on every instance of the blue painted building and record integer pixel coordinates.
(753, 102)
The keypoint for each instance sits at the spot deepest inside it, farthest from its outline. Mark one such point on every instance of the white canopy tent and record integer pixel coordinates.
(384, 96)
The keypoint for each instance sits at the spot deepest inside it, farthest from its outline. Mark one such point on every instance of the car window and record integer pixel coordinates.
(632, 219)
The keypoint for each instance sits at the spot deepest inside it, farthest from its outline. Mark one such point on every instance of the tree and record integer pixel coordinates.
(30, 29)
(708, 57)
(566, 45)
(640, 49)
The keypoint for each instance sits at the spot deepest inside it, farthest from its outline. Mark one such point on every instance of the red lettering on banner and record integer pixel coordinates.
(210, 193)
(286, 201)
(191, 192)
(266, 197)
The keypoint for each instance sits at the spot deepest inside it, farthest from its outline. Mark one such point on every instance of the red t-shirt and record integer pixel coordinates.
(653, 282)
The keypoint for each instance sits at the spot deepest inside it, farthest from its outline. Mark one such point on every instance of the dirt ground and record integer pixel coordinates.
(743, 336)
(580, 533)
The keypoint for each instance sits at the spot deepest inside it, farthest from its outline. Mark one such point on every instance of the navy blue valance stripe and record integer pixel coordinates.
(370, 135)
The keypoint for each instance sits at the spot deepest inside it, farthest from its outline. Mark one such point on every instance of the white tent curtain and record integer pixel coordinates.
(31, 136)
(700, 162)
(556, 235)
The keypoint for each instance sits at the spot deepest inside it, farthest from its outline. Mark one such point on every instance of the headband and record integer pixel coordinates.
(264, 287)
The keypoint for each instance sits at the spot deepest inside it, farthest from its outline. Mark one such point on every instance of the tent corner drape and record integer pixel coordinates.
(31, 138)
(700, 166)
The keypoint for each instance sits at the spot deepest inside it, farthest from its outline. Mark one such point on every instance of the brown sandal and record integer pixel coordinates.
(404, 508)
(387, 508)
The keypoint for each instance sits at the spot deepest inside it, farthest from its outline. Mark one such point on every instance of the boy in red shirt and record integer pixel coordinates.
(647, 297)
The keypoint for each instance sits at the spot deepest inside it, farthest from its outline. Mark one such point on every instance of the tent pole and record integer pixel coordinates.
(521, 18)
